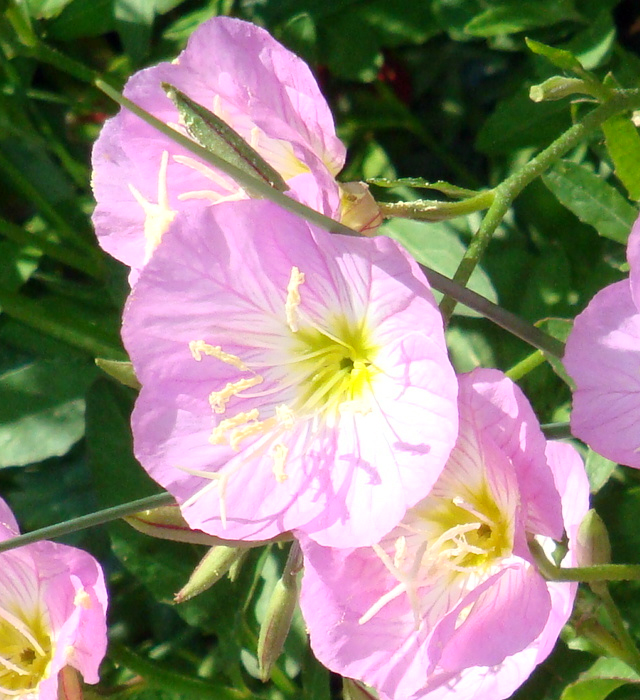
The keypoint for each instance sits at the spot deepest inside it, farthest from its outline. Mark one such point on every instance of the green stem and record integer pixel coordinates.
(76, 332)
(501, 317)
(631, 654)
(583, 574)
(556, 431)
(433, 210)
(509, 189)
(519, 370)
(84, 522)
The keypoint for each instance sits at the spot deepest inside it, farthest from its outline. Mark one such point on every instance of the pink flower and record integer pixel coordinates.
(603, 358)
(52, 614)
(449, 603)
(268, 95)
(290, 378)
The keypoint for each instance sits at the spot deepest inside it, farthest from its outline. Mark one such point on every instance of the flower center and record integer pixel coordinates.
(334, 369)
(25, 653)
(451, 544)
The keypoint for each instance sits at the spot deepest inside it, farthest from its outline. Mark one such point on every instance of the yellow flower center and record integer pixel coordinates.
(334, 371)
(26, 649)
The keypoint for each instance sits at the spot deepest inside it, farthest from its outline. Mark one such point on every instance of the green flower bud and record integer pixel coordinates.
(214, 565)
(277, 621)
(558, 87)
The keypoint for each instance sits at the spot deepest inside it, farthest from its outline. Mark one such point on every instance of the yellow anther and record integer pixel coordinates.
(218, 436)
(219, 399)
(279, 453)
(293, 297)
(199, 348)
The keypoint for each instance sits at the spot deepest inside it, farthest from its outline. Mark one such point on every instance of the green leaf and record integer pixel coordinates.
(594, 45)
(605, 676)
(83, 18)
(599, 469)
(516, 123)
(219, 138)
(508, 18)
(42, 410)
(591, 199)
(133, 22)
(623, 144)
(46, 9)
(419, 182)
(560, 58)
(438, 246)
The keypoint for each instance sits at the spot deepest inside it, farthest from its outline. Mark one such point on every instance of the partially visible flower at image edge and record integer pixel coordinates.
(142, 179)
(53, 604)
(291, 379)
(602, 357)
(450, 602)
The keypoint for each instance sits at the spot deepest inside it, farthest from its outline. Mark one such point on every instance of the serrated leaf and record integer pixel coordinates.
(514, 17)
(560, 58)
(591, 199)
(219, 138)
(42, 410)
(438, 246)
(623, 144)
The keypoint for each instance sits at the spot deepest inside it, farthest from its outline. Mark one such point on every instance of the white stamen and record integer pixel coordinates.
(293, 298)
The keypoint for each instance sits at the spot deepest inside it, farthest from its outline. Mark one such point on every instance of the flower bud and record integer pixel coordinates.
(593, 541)
(214, 565)
(557, 87)
(277, 620)
(359, 210)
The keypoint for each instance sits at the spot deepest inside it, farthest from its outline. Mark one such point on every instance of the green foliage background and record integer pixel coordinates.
(432, 89)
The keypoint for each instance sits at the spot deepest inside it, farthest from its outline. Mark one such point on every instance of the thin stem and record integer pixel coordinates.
(631, 653)
(501, 317)
(510, 188)
(519, 370)
(84, 522)
(583, 574)
(556, 431)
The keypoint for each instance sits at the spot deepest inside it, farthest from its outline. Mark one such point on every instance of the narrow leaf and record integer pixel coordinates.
(441, 186)
(591, 199)
(623, 143)
(560, 58)
(217, 136)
